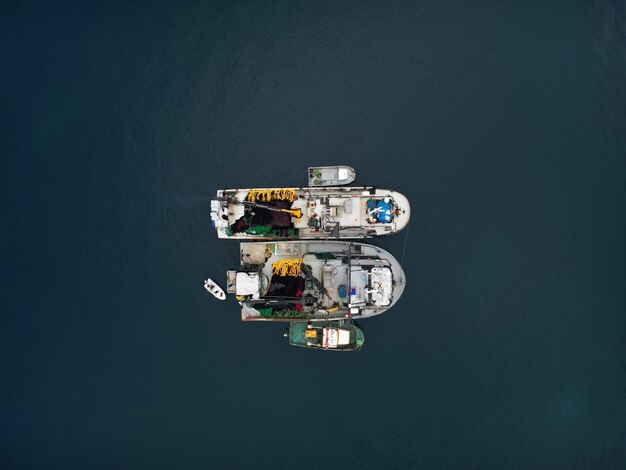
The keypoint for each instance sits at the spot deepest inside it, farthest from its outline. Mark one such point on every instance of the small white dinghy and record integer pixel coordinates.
(211, 286)
(331, 175)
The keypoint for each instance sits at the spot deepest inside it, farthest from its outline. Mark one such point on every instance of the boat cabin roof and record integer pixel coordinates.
(335, 337)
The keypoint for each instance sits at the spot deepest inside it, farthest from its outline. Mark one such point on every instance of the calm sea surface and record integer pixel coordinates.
(503, 122)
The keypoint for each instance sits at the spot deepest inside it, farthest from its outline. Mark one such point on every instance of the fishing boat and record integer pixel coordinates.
(329, 335)
(213, 288)
(314, 281)
(331, 175)
(308, 213)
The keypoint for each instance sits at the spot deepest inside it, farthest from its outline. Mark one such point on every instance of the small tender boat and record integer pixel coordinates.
(329, 335)
(331, 175)
(211, 286)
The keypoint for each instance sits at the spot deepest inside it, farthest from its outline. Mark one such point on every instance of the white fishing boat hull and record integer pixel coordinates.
(351, 280)
(326, 213)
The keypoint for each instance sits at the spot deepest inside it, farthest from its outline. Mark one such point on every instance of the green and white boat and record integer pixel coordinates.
(329, 335)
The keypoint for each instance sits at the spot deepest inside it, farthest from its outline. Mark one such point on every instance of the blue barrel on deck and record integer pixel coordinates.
(384, 214)
(343, 291)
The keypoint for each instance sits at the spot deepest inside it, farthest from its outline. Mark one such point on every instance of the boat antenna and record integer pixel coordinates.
(406, 236)
(349, 271)
(309, 275)
(334, 233)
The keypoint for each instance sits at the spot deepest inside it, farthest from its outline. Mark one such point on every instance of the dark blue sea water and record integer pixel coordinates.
(503, 122)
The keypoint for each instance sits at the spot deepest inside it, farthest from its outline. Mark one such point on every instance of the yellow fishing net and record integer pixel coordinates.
(287, 267)
(266, 195)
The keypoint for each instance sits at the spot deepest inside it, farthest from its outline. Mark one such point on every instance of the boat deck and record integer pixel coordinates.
(359, 280)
